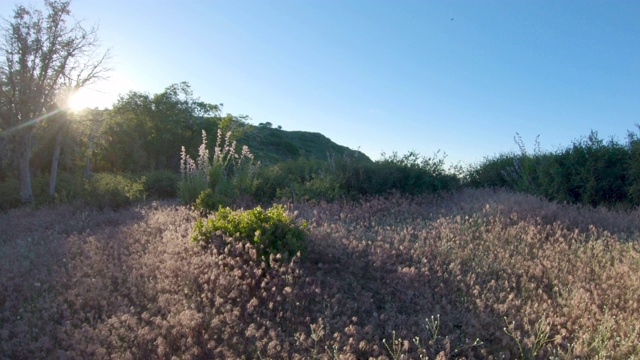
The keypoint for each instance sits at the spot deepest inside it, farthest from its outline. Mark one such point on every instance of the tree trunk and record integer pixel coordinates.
(26, 193)
(54, 164)
(87, 163)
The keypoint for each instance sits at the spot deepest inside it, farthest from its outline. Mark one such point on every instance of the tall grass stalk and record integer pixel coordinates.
(219, 180)
(194, 174)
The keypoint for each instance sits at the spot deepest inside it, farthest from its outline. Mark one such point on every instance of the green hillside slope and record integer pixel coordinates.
(270, 145)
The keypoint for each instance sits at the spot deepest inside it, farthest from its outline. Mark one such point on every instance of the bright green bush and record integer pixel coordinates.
(113, 191)
(271, 231)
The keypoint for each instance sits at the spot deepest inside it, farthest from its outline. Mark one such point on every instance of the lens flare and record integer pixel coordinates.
(30, 122)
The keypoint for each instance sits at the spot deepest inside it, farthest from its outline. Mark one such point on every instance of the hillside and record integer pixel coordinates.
(270, 145)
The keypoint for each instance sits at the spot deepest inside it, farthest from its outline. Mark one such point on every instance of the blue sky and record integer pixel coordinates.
(459, 76)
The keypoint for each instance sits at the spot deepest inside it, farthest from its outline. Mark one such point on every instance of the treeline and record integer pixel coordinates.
(113, 157)
(590, 171)
(134, 144)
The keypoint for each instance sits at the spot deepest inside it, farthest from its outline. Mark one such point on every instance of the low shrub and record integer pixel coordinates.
(70, 187)
(490, 172)
(161, 183)
(271, 232)
(113, 191)
(410, 173)
(190, 188)
(208, 201)
(287, 179)
(9, 194)
(349, 177)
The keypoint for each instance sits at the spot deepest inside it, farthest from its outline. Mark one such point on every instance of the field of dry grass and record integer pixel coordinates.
(477, 274)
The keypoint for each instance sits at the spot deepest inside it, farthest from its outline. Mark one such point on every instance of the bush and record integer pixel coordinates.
(69, 188)
(9, 194)
(634, 167)
(285, 179)
(411, 174)
(161, 183)
(113, 191)
(349, 177)
(189, 189)
(270, 231)
(208, 201)
(491, 171)
(589, 172)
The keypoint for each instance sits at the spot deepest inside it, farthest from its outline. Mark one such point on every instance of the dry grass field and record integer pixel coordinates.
(477, 274)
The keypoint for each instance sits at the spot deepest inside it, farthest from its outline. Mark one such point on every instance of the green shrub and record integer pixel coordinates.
(347, 176)
(270, 231)
(9, 194)
(69, 187)
(294, 179)
(634, 167)
(589, 172)
(208, 201)
(161, 183)
(491, 172)
(113, 191)
(411, 174)
(190, 188)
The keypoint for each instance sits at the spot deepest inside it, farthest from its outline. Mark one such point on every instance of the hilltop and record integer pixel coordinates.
(272, 145)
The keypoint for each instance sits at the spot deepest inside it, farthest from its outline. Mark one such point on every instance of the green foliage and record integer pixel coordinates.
(634, 166)
(410, 174)
(113, 191)
(208, 201)
(348, 176)
(272, 145)
(271, 232)
(9, 194)
(70, 187)
(490, 172)
(189, 188)
(589, 172)
(294, 179)
(161, 183)
(145, 131)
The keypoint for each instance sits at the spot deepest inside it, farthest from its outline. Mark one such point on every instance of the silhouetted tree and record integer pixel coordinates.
(43, 59)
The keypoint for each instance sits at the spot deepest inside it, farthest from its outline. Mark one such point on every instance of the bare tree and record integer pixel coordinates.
(44, 57)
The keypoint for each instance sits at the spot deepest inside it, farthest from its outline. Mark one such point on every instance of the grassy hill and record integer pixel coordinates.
(270, 145)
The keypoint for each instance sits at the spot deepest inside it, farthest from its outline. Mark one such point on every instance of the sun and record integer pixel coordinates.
(102, 94)
(82, 99)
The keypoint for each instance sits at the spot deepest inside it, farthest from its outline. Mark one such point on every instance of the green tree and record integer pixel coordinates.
(43, 58)
(145, 132)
